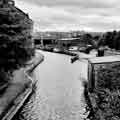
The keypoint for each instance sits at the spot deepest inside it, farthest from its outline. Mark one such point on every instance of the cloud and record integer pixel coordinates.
(80, 3)
(91, 15)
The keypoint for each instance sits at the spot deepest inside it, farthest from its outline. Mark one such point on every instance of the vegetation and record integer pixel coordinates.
(15, 39)
(107, 93)
(109, 77)
(107, 105)
(112, 39)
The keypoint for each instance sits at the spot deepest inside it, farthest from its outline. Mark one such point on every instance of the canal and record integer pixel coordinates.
(59, 92)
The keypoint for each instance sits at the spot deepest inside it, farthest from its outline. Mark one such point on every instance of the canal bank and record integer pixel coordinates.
(19, 89)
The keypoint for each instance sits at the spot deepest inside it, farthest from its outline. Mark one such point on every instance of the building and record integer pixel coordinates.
(66, 42)
(44, 40)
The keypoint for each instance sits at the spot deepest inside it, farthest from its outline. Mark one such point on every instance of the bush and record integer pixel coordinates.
(16, 44)
(108, 104)
(108, 76)
(107, 92)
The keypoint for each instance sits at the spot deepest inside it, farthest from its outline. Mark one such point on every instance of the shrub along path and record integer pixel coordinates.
(18, 85)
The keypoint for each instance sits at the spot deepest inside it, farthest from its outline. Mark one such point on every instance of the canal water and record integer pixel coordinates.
(59, 92)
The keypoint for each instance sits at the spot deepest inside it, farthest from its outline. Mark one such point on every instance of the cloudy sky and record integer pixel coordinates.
(65, 15)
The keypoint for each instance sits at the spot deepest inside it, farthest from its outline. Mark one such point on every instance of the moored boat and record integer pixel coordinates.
(73, 59)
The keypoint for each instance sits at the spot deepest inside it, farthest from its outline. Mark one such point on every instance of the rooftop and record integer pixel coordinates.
(105, 59)
(65, 39)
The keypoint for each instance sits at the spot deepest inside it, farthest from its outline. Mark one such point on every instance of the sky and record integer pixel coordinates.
(66, 15)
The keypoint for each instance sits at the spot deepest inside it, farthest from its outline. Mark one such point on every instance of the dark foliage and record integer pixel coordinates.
(16, 45)
(106, 93)
(107, 105)
(112, 39)
(109, 77)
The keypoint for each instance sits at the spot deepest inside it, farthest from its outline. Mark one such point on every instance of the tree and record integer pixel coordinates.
(15, 38)
(117, 41)
(87, 38)
(110, 39)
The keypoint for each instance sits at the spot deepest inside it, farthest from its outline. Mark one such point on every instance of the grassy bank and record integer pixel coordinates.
(17, 87)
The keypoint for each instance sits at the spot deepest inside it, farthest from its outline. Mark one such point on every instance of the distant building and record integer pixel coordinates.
(44, 40)
(51, 40)
(7, 2)
(68, 42)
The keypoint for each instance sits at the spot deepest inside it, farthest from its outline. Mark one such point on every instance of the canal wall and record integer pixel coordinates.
(24, 90)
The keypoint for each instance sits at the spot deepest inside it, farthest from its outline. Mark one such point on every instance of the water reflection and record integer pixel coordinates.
(59, 92)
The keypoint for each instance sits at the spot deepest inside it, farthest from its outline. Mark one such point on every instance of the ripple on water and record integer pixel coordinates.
(39, 109)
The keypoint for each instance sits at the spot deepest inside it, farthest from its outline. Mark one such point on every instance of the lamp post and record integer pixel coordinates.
(42, 39)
